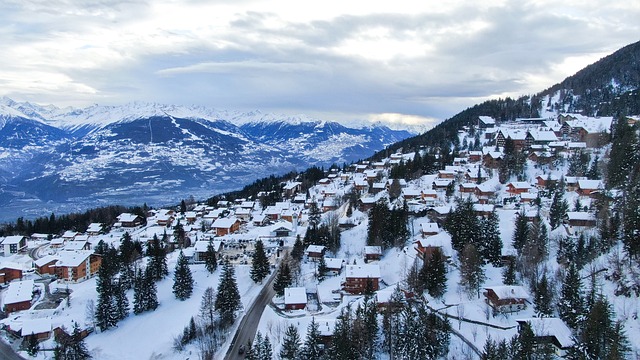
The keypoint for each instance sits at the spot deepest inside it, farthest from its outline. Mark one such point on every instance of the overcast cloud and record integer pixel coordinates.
(400, 61)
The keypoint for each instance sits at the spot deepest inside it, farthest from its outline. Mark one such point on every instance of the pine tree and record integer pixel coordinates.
(107, 313)
(266, 349)
(492, 243)
(145, 292)
(471, 272)
(311, 349)
(322, 269)
(526, 342)
(543, 298)
(290, 344)
(260, 263)
(521, 232)
(509, 273)
(558, 209)
(490, 351)
(122, 302)
(283, 278)
(570, 305)
(71, 346)
(601, 336)
(298, 249)
(434, 274)
(344, 345)
(157, 259)
(182, 279)
(315, 215)
(228, 298)
(32, 346)
(210, 261)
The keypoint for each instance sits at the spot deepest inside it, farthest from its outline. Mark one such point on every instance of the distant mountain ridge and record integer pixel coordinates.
(66, 159)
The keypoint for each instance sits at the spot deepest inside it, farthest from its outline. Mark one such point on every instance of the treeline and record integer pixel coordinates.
(53, 224)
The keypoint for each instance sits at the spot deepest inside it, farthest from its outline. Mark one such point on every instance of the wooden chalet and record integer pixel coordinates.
(315, 252)
(129, 220)
(295, 298)
(10, 272)
(359, 277)
(518, 187)
(580, 220)
(372, 253)
(492, 159)
(46, 265)
(429, 229)
(587, 187)
(18, 296)
(224, 226)
(551, 331)
(41, 329)
(506, 298)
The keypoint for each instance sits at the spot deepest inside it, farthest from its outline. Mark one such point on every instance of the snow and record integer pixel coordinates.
(363, 271)
(509, 292)
(19, 291)
(35, 326)
(295, 295)
(551, 327)
(73, 258)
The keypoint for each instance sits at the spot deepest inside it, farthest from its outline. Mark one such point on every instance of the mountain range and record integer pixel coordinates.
(68, 159)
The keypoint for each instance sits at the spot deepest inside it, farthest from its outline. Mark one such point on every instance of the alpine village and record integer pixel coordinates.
(509, 231)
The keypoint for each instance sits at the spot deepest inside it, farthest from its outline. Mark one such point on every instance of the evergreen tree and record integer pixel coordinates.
(315, 215)
(623, 155)
(570, 305)
(558, 209)
(260, 263)
(182, 279)
(344, 346)
(266, 349)
(492, 243)
(70, 346)
(526, 342)
(434, 274)
(602, 337)
(290, 344)
(463, 225)
(157, 259)
(228, 298)
(322, 269)
(312, 349)
(283, 278)
(543, 298)
(107, 313)
(144, 292)
(378, 225)
(32, 346)
(509, 273)
(210, 261)
(521, 232)
(298, 249)
(180, 236)
(471, 272)
(490, 351)
(122, 302)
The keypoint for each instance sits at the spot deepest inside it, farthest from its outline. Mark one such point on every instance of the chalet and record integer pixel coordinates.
(550, 331)
(129, 220)
(295, 298)
(518, 187)
(571, 182)
(225, 226)
(540, 157)
(94, 229)
(372, 253)
(334, 266)
(46, 265)
(18, 296)
(70, 235)
(39, 328)
(472, 175)
(243, 214)
(579, 220)
(13, 244)
(324, 181)
(492, 159)
(587, 187)
(360, 184)
(506, 298)
(544, 181)
(366, 203)
(164, 218)
(360, 277)
(291, 188)
(200, 249)
(315, 252)
(273, 213)
(329, 204)
(446, 174)
(379, 165)
(260, 220)
(539, 137)
(76, 266)
(429, 195)
(429, 229)
(517, 136)
(468, 188)
(528, 198)
(10, 272)
(282, 229)
(326, 328)
(56, 243)
(483, 209)
(376, 187)
(442, 184)
(484, 193)
(77, 245)
(191, 216)
(290, 215)
(486, 122)
(474, 156)
(360, 168)
(438, 214)
(411, 193)
(592, 131)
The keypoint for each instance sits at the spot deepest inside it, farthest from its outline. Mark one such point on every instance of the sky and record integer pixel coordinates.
(413, 62)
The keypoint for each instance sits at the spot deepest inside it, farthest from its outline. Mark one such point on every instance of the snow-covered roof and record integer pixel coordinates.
(580, 215)
(509, 291)
(315, 249)
(363, 271)
(291, 185)
(35, 326)
(590, 184)
(591, 124)
(127, 217)
(295, 295)
(201, 245)
(429, 227)
(13, 239)
(333, 263)
(73, 258)
(551, 327)
(373, 250)
(224, 223)
(543, 135)
(483, 207)
(45, 260)
(70, 234)
(487, 120)
(520, 184)
(19, 291)
(75, 245)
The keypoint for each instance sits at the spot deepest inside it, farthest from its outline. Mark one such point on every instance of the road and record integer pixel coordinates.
(7, 353)
(249, 323)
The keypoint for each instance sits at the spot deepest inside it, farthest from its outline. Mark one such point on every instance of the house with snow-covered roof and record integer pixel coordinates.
(18, 296)
(518, 187)
(10, 272)
(13, 244)
(315, 252)
(224, 226)
(129, 220)
(94, 229)
(200, 249)
(429, 229)
(334, 265)
(372, 253)
(580, 220)
(586, 187)
(506, 298)
(551, 331)
(295, 298)
(360, 277)
(76, 266)
(38, 328)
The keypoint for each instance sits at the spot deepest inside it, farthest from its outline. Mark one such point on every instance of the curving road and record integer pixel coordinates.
(7, 353)
(249, 323)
